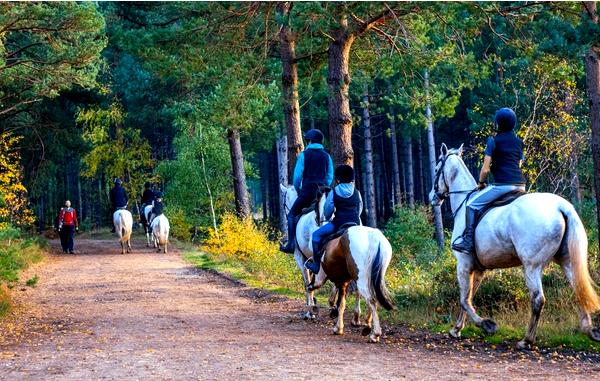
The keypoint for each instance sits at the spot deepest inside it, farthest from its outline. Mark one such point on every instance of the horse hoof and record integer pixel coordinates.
(333, 313)
(338, 332)
(374, 338)
(488, 326)
(523, 345)
(309, 316)
(454, 333)
(594, 334)
(365, 331)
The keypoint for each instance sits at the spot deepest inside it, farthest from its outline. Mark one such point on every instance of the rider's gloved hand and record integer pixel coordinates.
(481, 185)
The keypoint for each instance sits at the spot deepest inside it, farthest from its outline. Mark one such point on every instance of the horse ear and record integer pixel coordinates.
(460, 150)
(444, 149)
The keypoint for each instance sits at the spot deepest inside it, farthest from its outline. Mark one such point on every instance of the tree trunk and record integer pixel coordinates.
(283, 179)
(338, 80)
(369, 175)
(437, 210)
(289, 82)
(242, 203)
(419, 169)
(592, 74)
(410, 177)
(395, 167)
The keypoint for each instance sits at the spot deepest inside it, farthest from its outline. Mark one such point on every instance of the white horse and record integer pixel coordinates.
(147, 214)
(531, 231)
(160, 232)
(306, 226)
(123, 221)
(361, 254)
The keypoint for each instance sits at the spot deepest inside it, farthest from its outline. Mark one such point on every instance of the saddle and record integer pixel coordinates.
(340, 232)
(500, 201)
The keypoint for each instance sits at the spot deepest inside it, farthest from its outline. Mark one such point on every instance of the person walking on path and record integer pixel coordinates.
(67, 224)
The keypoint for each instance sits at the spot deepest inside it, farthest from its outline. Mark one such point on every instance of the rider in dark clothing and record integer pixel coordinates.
(118, 198)
(503, 157)
(346, 201)
(314, 168)
(147, 199)
(158, 207)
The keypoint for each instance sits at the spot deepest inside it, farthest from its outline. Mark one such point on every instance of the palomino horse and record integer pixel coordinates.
(147, 214)
(361, 254)
(160, 232)
(123, 222)
(531, 231)
(306, 226)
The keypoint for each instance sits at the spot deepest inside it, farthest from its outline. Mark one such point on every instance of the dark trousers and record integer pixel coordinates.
(307, 195)
(67, 233)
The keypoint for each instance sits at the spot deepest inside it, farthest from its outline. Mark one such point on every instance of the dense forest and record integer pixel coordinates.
(209, 101)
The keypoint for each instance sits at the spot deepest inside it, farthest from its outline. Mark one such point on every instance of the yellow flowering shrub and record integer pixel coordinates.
(14, 205)
(243, 242)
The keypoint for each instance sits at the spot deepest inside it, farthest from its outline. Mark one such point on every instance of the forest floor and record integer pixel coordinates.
(100, 315)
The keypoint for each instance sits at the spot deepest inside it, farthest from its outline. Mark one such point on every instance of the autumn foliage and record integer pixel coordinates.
(14, 205)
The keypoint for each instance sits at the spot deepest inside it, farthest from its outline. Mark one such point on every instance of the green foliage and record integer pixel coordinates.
(16, 253)
(46, 48)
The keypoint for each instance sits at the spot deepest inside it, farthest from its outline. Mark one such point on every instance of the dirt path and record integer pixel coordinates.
(99, 315)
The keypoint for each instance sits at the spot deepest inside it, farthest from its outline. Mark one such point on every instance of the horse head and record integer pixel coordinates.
(322, 193)
(289, 196)
(449, 161)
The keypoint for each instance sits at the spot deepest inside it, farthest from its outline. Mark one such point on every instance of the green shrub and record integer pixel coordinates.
(180, 226)
(16, 253)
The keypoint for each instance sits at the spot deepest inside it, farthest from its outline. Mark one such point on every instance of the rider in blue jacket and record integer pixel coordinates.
(503, 157)
(314, 168)
(346, 201)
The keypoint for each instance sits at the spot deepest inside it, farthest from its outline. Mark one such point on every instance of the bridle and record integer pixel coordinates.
(444, 195)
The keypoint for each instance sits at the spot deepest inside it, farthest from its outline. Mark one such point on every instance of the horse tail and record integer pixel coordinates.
(576, 243)
(378, 269)
(125, 232)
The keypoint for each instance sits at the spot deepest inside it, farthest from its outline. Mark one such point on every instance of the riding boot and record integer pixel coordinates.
(290, 246)
(467, 244)
(314, 265)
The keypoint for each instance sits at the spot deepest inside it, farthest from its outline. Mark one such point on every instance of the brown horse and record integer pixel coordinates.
(361, 254)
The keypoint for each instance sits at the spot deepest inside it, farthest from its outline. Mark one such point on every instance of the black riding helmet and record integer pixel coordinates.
(147, 185)
(344, 173)
(314, 135)
(118, 181)
(158, 194)
(505, 119)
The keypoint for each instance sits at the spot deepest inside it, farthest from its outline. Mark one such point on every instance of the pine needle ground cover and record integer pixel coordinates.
(422, 280)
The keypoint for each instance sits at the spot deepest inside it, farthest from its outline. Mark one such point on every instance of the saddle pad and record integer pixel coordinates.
(340, 232)
(500, 201)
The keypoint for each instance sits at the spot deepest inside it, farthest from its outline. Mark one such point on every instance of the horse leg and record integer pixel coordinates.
(341, 305)
(333, 311)
(376, 330)
(533, 278)
(306, 277)
(122, 248)
(166, 243)
(368, 320)
(355, 322)
(585, 318)
(465, 283)
(462, 315)
(129, 245)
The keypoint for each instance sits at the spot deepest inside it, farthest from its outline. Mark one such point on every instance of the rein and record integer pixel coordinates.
(444, 195)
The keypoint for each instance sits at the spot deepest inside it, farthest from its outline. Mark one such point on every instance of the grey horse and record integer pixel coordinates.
(531, 231)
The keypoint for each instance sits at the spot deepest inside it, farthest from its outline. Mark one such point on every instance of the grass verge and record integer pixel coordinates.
(16, 254)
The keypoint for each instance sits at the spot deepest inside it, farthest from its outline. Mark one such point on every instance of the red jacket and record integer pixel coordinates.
(67, 216)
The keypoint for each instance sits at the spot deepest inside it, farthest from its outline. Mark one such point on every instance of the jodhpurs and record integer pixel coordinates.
(491, 193)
